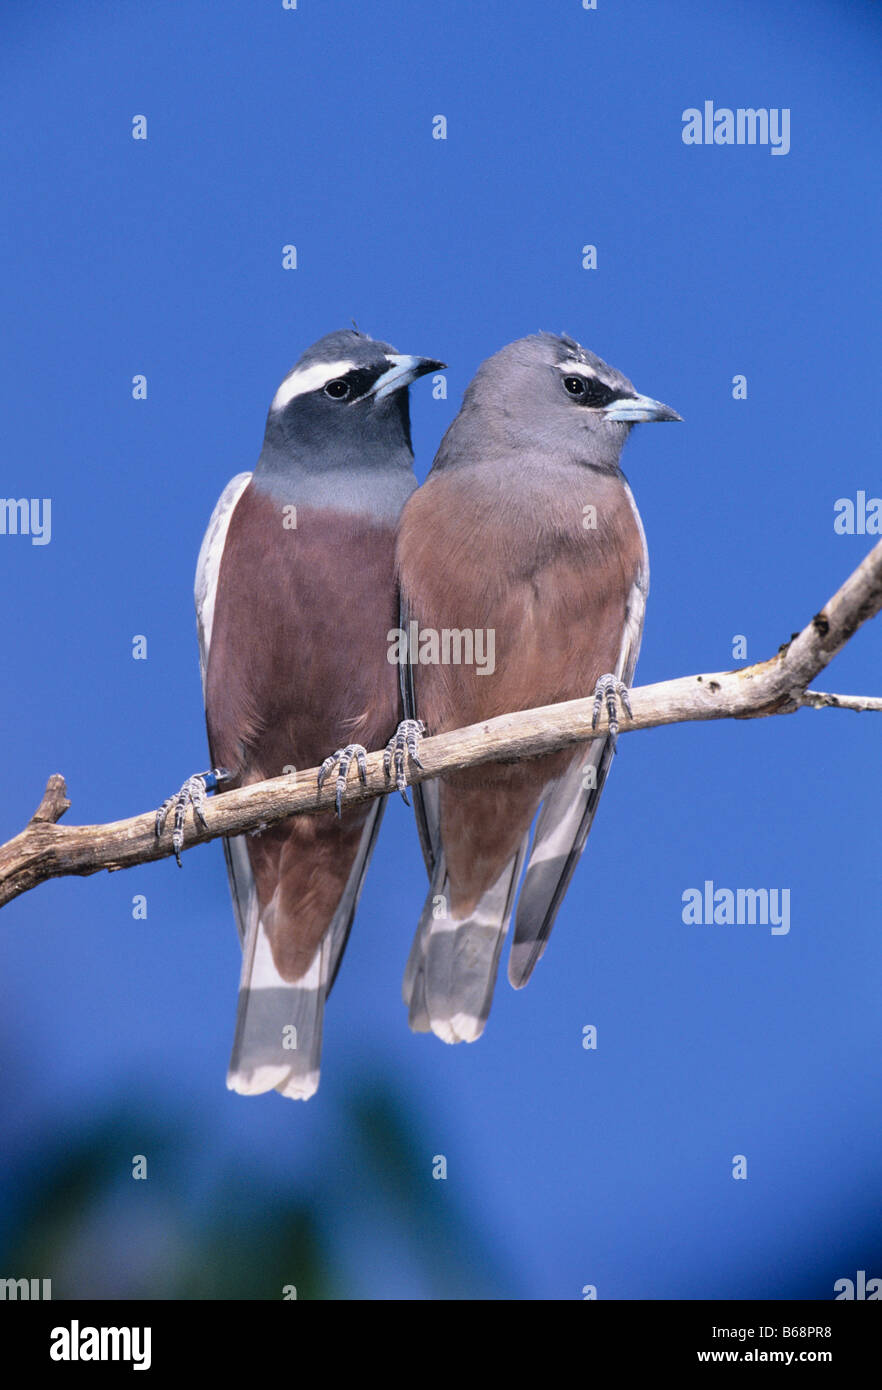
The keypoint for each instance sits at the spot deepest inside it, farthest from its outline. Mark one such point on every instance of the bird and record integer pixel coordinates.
(295, 594)
(525, 534)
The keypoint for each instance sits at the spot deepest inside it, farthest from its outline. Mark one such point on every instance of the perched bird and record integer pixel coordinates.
(525, 533)
(295, 595)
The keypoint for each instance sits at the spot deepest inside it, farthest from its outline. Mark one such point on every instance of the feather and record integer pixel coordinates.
(278, 1037)
(567, 815)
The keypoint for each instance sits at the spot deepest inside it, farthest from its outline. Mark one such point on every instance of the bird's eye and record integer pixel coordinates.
(588, 391)
(338, 389)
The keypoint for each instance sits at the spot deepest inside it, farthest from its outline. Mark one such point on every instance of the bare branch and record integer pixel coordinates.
(54, 803)
(819, 699)
(45, 849)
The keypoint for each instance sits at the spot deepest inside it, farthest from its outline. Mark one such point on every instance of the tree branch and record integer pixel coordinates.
(819, 699)
(46, 850)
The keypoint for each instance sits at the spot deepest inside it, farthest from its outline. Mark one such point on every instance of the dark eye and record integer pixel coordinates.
(338, 390)
(588, 391)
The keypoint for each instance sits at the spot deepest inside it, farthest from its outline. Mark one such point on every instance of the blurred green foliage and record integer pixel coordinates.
(204, 1227)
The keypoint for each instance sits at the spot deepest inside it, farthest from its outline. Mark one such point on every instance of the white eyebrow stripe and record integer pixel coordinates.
(298, 383)
(589, 374)
(579, 369)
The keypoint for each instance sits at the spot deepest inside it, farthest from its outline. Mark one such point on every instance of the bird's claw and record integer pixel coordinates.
(192, 793)
(402, 745)
(610, 689)
(344, 757)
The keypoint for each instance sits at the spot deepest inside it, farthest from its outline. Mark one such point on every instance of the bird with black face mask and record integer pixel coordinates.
(295, 595)
(526, 527)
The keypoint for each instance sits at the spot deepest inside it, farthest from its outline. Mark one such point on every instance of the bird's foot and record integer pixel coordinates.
(192, 793)
(610, 689)
(344, 757)
(403, 745)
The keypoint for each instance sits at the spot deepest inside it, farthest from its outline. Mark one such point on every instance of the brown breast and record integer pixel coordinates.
(486, 552)
(298, 662)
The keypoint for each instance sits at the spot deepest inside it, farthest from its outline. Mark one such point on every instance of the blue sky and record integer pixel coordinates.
(164, 257)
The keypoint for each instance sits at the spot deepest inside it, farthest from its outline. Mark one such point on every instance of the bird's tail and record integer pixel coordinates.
(566, 817)
(278, 1039)
(451, 971)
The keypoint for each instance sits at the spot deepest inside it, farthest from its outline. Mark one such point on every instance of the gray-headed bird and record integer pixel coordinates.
(295, 595)
(525, 535)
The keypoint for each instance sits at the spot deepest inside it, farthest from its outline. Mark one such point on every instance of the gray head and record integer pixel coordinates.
(547, 393)
(343, 407)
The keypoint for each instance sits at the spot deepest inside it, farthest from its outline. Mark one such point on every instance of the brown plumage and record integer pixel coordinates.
(555, 594)
(283, 681)
(526, 527)
(295, 598)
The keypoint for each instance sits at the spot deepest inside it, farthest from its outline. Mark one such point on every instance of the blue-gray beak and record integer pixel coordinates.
(402, 371)
(632, 410)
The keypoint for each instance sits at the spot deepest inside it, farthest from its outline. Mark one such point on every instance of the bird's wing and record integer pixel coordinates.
(338, 935)
(451, 970)
(205, 590)
(278, 1036)
(568, 810)
(426, 797)
(208, 565)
